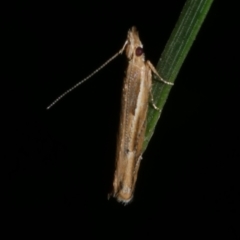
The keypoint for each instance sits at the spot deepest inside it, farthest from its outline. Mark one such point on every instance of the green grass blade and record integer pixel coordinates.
(173, 56)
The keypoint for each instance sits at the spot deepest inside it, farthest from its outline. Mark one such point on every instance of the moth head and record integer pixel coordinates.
(134, 47)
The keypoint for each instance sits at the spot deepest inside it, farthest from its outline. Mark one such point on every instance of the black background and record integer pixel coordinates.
(60, 163)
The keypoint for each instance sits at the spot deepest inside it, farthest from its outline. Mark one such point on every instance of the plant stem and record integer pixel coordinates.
(173, 56)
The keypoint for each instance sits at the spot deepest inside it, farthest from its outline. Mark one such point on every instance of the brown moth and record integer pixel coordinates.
(135, 100)
(134, 106)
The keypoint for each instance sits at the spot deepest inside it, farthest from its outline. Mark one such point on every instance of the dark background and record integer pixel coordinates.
(60, 163)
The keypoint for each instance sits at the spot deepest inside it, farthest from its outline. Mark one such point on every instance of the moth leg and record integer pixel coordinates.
(156, 73)
(152, 102)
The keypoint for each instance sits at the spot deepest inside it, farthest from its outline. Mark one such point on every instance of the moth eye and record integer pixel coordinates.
(139, 51)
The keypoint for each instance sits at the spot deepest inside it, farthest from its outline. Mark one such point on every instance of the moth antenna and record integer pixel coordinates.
(89, 76)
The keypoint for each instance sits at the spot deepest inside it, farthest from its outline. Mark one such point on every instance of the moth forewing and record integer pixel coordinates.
(135, 101)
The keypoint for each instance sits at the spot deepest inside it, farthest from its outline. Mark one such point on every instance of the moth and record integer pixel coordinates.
(135, 100)
(136, 95)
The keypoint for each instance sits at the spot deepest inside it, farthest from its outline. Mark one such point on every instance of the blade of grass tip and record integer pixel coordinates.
(173, 56)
